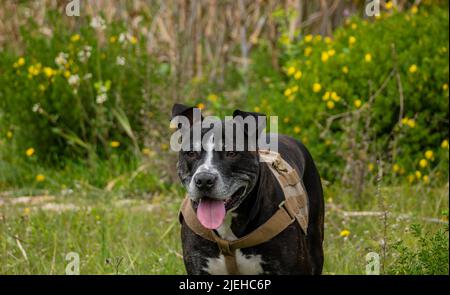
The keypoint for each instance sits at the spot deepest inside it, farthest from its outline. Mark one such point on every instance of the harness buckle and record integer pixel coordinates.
(282, 206)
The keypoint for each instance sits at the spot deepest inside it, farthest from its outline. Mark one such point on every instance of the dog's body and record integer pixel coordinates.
(290, 252)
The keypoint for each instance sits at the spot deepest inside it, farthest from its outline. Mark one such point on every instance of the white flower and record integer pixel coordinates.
(87, 76)
(85, 53)
(120, 60)
(122, 38)
(61, 59)
(73, 80)
(98, 23)
(36, 107)
(101, 98)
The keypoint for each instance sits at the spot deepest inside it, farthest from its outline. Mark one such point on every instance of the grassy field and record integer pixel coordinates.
(115, 234)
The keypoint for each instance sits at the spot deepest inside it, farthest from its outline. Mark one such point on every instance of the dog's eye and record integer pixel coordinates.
(231, 154)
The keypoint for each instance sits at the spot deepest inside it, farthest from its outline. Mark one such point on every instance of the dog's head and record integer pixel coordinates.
(216, 178)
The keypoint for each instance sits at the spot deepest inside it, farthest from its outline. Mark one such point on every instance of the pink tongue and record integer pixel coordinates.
(211, 213)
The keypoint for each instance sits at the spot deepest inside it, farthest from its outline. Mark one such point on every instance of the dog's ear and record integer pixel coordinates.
(259, 118)
(185, 111)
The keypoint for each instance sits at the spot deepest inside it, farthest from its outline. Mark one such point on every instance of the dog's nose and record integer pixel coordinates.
(205, 181)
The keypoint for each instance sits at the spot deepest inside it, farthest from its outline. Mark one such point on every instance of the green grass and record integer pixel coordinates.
(142, 232)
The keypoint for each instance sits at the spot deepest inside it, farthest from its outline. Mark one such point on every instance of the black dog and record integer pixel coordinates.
(250, 194)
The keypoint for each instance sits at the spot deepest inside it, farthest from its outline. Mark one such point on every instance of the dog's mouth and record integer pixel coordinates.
(232, 201)
(211, 212)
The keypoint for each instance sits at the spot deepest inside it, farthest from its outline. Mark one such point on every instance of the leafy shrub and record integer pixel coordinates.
(376, 89)
(431, 256)
(73, 94)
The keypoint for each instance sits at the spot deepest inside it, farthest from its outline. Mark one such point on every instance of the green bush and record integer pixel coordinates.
(431, 256)
(333, 79)
(76, 93)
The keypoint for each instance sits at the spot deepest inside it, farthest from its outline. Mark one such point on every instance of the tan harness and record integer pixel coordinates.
(294, 207)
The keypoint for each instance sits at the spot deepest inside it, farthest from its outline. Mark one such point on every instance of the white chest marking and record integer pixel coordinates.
(247, 264)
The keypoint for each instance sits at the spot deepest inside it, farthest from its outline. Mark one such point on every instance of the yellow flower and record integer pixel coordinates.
(418, 174)
(413, 69)
(308, 38)
(370, 167)
(112, 39)
(297, 129)
(41, 87)
(324, 57)
(411, 123)
(67, 74)
(317, 87)
(335, 97)
(326, 96)
(426, 179)
(133, 40)
(40, 178)
(257, 109)
(298, 75)
(327, 142)
(114, 144)
(354, 26)
(26, 211)
(414, 9)
(327, 40)
(317, 38)
(445, 87)
(389, 5)
(9, 134)
(411, 178)
(368, 57)
(330, 105)
(331, 52)
(29, 152)
(148, 152)
(49, 72)
(423, 163)
(291, 98)
(34, 70)
(345, 233)
(351, 40)
(213, 97)
(395, 168)
(287, 92)
(286, 120)
(357, 103)
(429, 154)
(444, 144)
(307, 51)
(75, 38)
(20, 62)
(345, 69)
(291, 71)
(295, 88)
(201, 106)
